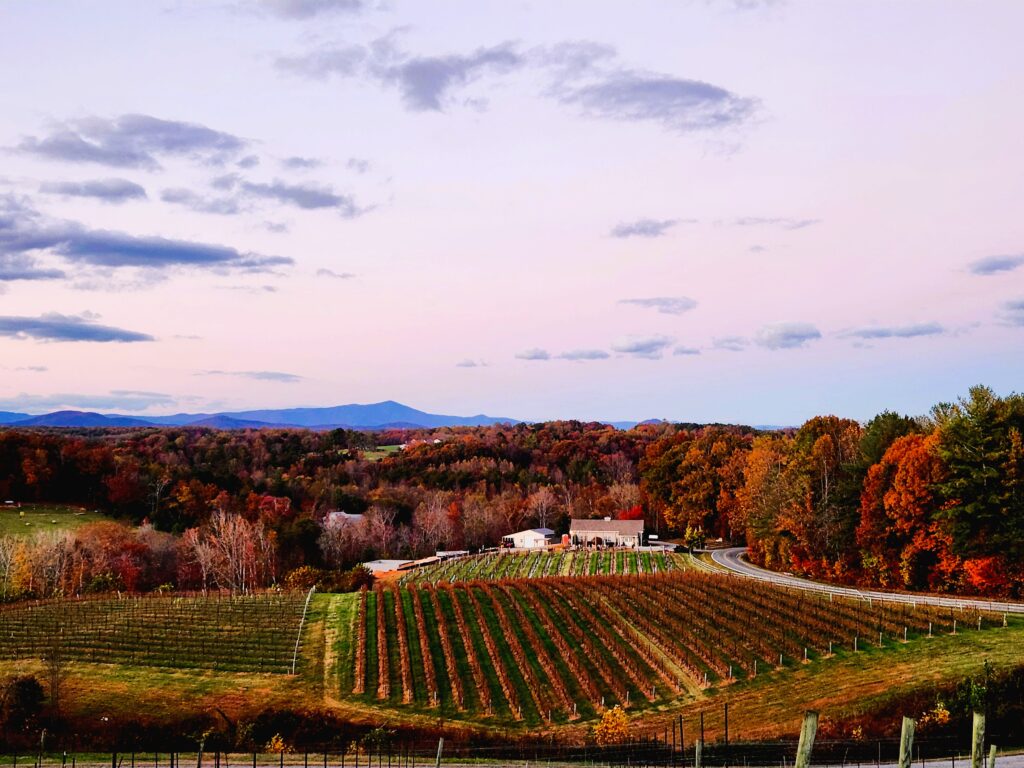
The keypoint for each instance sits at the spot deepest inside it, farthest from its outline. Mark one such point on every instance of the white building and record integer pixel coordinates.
(607, 532)
(533, 538)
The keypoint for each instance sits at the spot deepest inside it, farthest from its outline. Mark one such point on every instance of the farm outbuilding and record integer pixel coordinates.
(532, 538)
(607, 532)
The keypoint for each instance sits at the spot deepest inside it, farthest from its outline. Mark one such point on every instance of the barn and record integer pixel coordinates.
(607, 532)
(532, 538)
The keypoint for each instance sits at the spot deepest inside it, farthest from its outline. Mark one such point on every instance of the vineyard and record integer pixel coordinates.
(251, 633)
(533, 565)
(558, 650)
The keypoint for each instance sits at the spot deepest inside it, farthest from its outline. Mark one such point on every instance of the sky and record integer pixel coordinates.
(714, 210)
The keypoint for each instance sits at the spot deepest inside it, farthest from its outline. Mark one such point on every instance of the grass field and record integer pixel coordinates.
(531, 565)
(31, 518)
(381, 452)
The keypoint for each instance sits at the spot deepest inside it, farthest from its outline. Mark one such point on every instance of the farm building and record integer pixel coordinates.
(607, 532)
(533, 538)
(339, 518)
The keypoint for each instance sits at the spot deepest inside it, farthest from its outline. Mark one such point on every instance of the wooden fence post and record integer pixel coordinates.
(440, 747)
(992, 756)
(978, 740)
(806, 744)
(698, 748)
(907, 742)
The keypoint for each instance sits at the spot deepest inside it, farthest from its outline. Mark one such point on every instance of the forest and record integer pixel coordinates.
(932, 503)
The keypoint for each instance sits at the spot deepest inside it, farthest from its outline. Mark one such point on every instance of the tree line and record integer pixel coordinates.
(925, 503)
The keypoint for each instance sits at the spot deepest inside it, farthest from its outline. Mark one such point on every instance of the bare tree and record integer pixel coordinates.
(542, 504)
(55, 663)
(8, 551)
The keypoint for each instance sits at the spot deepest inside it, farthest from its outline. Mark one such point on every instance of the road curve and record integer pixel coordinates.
(733, 560)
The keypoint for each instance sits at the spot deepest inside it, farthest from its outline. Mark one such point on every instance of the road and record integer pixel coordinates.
(733, 559)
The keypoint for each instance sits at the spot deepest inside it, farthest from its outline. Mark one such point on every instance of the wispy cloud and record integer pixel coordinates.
(786, 335)
(584, 76)
(24, 232)
(534, 354)
(336, 275)
(681, 350)
(225, 206)
(57, 327)
(470, 363)
(307, 9)
(584, 354)
(643, 228)
(1013, 313)
(278, 376)
(116, 400)
(649, 347)
(132, 141)
(105, 190)
(730, 343)
(776, 221)
(301, 163)
(304, 196)
(666, 305)
(19, 266)
(895, 332)
(991, 265)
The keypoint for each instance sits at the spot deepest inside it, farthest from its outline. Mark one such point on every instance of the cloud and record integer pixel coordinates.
(757, 249)
(681, 350)
(649, 347)
(32, 368)
(56, 327)
(18, 266)
(105, 190)
(786, 335)
(895, 332)
(116, 400)
(1013, 313)
(358, 165)
(249, 161)
(534, 354)
(777, 221)
(301, 163)
(584, 354)
(426, 82)
(666, 305)
(676, 103)
(307, 9)
(992, 265)
(132, 141)
(643, 228)
(225, 206)
(730, 343)
(285, 378)
(335, 275)
(23, 232)
(470, 363)
(304, 196)
(583, 75)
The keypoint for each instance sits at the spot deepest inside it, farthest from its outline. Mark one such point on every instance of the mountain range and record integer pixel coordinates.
(373, 416)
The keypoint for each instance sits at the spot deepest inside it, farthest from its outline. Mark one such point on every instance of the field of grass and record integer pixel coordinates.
(31, 518)
(562, 562)
(381, 452)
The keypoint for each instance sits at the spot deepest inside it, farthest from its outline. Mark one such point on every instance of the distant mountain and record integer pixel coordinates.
(79, 419)
(363, 416)
(375, 416)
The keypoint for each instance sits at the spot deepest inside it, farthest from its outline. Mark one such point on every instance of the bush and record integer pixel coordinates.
(307, 577)
(21, 703)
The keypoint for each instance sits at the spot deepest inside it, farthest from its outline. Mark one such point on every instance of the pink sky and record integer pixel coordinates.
(733, 211)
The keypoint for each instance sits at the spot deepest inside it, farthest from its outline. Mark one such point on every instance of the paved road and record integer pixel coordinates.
(734, 560)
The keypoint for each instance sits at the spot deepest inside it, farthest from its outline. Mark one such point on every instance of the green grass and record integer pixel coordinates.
(381, 452)
(31, 518)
